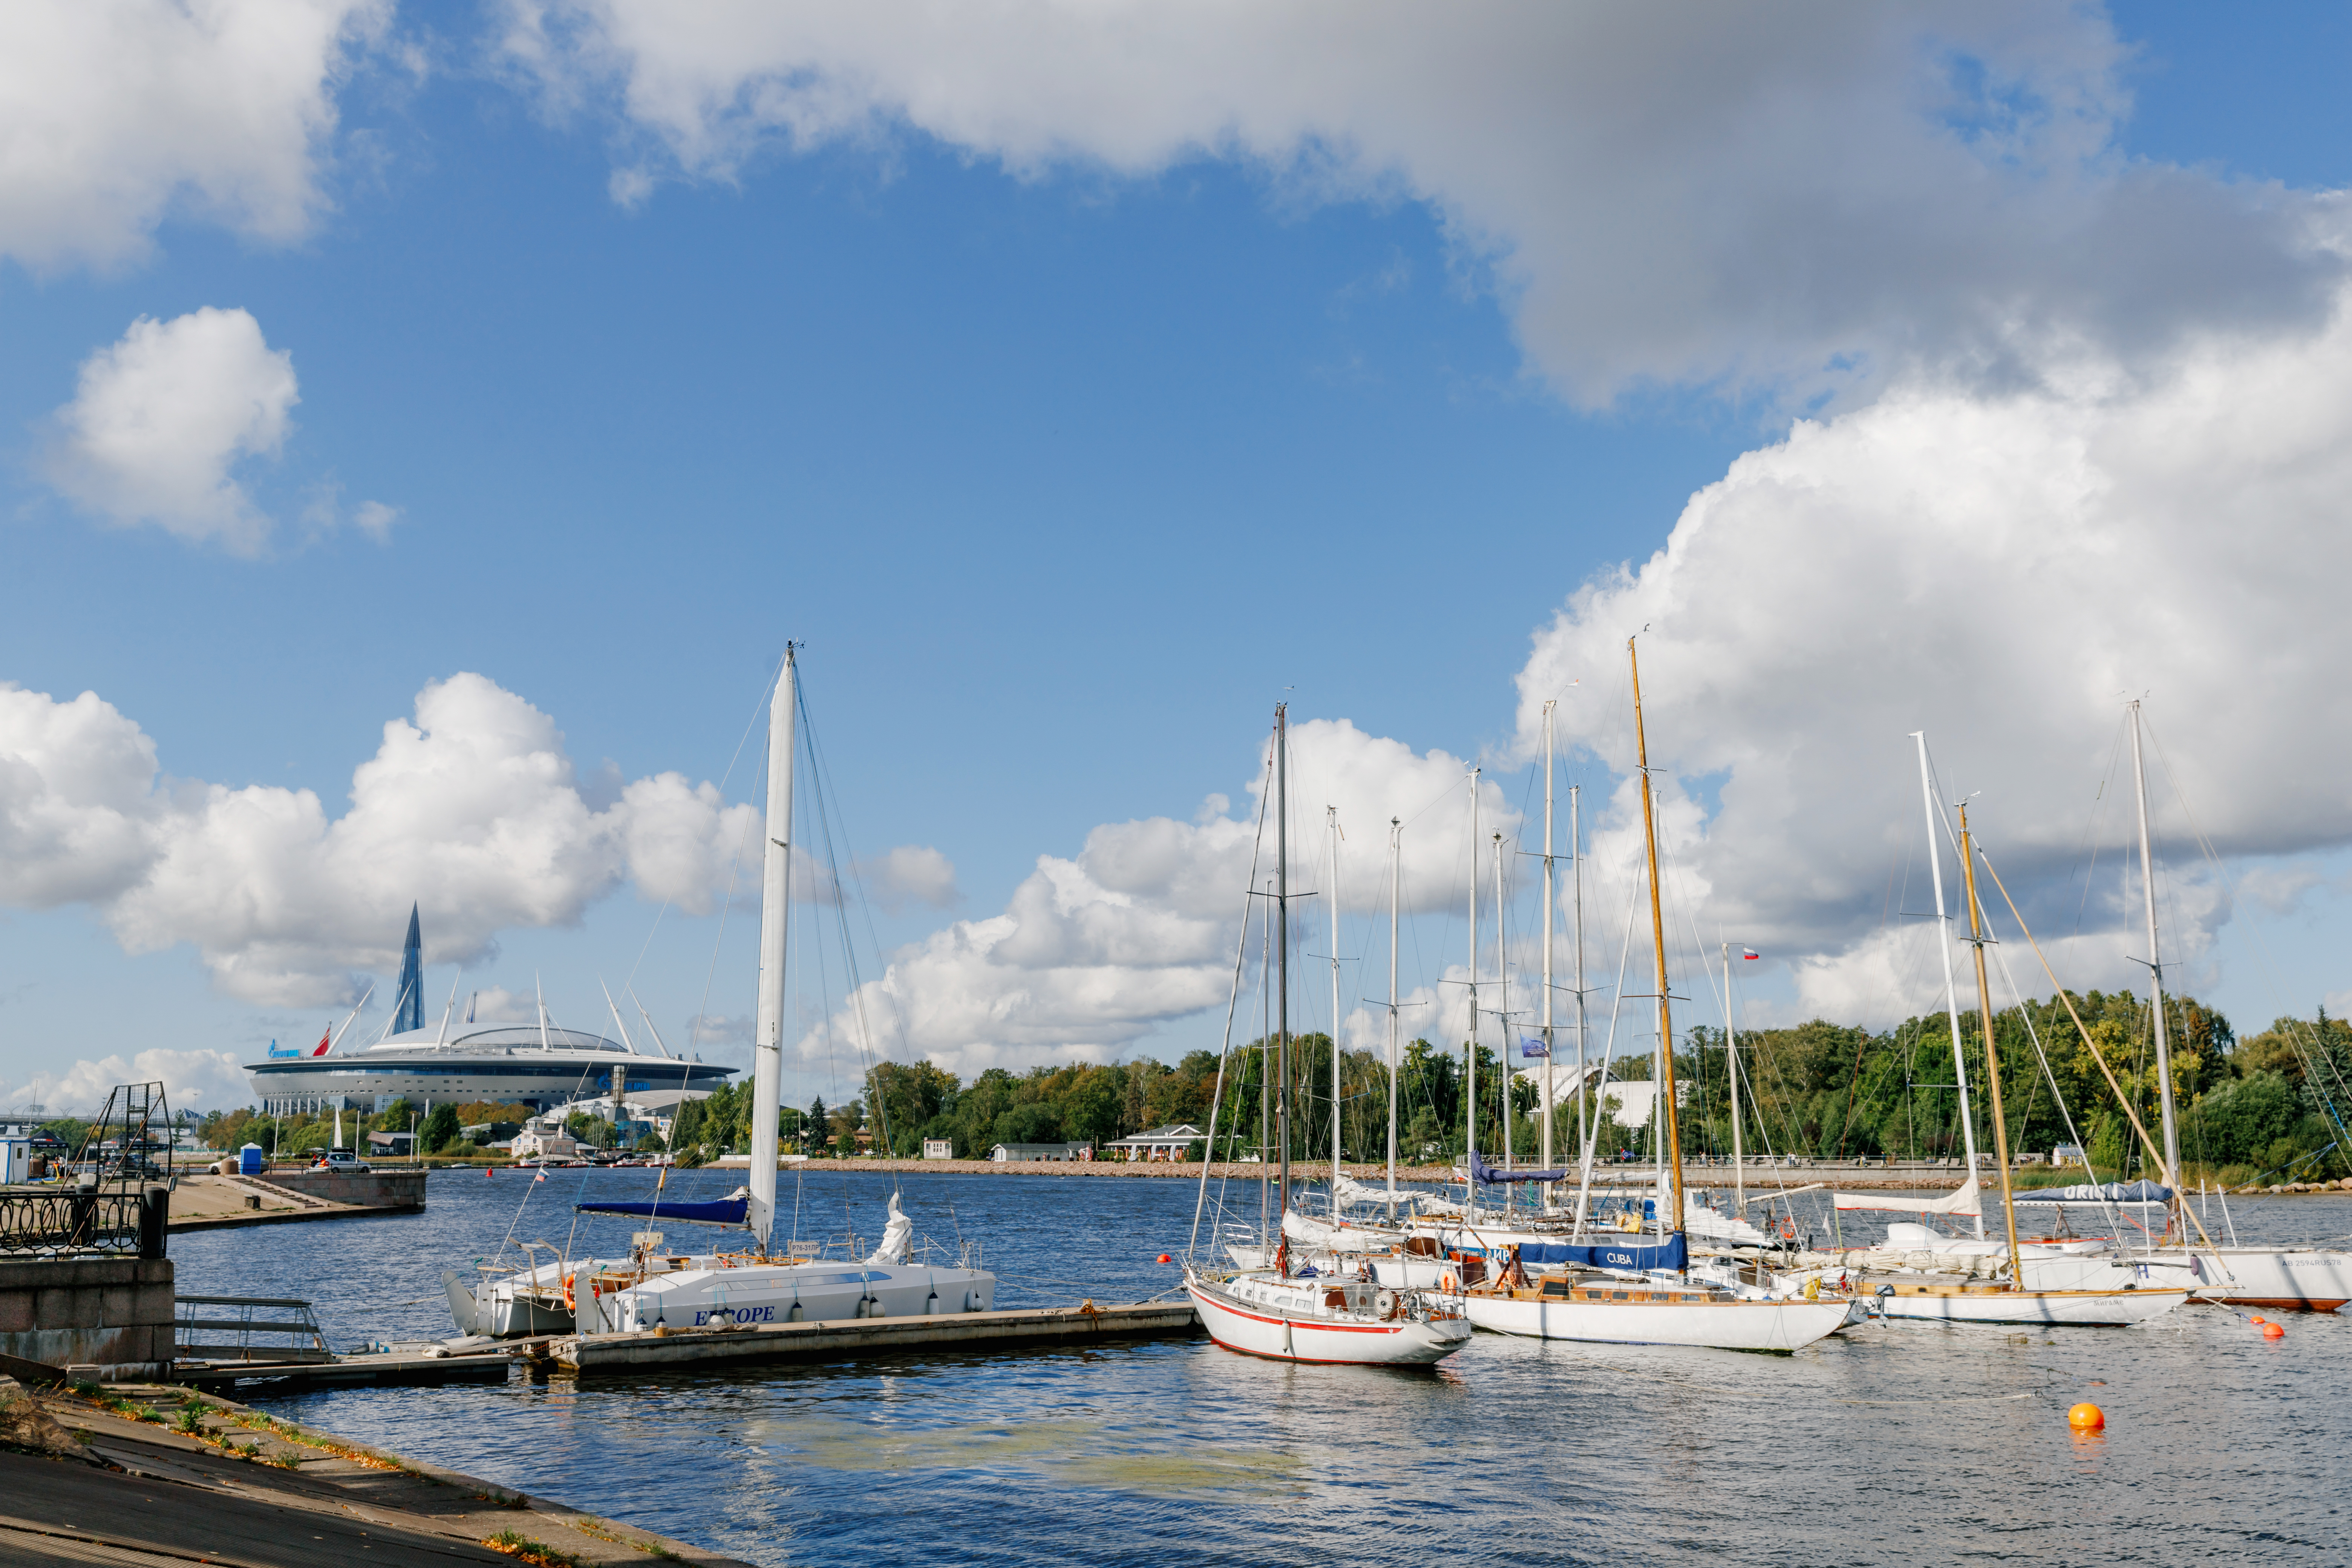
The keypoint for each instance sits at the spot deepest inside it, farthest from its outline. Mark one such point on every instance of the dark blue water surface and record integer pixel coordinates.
(1904, 1443)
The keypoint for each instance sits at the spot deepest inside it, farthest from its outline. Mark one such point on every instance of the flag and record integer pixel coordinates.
(540, 1177)
(471, 1000)
(1750, 952)
(1532, 1046)
(325, 1036)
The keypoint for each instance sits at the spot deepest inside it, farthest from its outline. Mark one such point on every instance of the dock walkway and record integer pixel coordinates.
(1057, 1326)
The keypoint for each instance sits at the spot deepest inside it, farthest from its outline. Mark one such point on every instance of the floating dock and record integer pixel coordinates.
(1054, 1326)
(487, 1366)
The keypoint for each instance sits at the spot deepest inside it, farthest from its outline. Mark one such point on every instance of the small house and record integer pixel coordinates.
(939, 1148)
(1168, 1142)
(1023, 1153)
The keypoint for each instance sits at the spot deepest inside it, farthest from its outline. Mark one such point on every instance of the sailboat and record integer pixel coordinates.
(2014, 1299)
(2290, 1277)
(1289, 1312)
(654, 1291)
(1597, 1299)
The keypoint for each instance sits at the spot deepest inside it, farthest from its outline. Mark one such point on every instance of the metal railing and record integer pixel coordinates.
(51, 1224)
(291, 1330)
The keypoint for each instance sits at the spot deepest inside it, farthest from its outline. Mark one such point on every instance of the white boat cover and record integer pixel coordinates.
(1352, 1190)
(1963, 1202)
(898, 1237)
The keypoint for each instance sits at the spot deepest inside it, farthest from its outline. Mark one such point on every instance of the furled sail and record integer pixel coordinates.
(1485, 1175)
(2112, 1193)
(729, 1210)
(1671, 1254)
(1962, 1202)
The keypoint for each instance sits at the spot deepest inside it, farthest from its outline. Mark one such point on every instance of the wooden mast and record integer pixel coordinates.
(1992, 1058)
(1665, 1076)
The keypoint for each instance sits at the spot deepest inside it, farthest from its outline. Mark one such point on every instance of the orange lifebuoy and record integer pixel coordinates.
(1445, 1283)
(1787, 1228)
(569, 1305)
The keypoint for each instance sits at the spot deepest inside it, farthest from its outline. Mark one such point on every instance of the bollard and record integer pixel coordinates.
(155, 1219)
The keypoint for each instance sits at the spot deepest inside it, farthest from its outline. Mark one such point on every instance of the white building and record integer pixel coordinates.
(939, 1148)
(1168, 1142)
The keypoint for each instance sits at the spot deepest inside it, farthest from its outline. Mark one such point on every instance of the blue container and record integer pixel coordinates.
(249, 1161)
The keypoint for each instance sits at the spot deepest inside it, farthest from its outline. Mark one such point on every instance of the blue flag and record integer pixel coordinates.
(1532, 1046)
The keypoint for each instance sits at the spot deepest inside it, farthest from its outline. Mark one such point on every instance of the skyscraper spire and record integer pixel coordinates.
(408, 1009)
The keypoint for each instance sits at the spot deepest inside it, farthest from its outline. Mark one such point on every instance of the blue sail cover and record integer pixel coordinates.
(2113, 1192)
(718, 1211)
(1670, 1255)
(1485, 1175)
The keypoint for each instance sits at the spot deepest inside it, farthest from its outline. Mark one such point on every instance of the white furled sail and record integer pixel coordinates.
(898, 1237)
(775, 906)
(1963, 1202)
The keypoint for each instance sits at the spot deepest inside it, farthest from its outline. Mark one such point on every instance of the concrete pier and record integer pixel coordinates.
(1054, 1326)
(109, 1312)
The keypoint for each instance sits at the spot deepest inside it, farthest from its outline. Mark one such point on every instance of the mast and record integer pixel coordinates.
(1264, 1074)
(1669, 1124)
(1503, 1011)
(1331, 818)
(775, 907)
(1282, 960)
(1544, 1152)
(1396, 1057)
(2156, 976)
(1731, 1067)
(1951, 988)
(1470, 1053)
(1576, 875)
(1992, 1058)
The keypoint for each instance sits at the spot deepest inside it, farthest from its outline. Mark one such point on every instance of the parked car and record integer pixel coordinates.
(340, 1160)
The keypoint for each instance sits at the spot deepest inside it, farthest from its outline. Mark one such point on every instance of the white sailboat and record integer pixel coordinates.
(1284, 1313)
(1672, 1306)
(655, 1292)
(2015, 1300)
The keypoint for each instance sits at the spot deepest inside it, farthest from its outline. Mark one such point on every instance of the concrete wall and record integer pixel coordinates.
(369, 1189)
(112, 1312)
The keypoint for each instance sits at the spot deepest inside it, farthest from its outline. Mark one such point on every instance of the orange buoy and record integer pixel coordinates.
(2256, 1320)
(2273, 1332)
(1165, 1259)
(2086, 1418)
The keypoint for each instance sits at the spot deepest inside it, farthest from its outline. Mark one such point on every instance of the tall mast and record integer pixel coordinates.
(1576, 875)
(1264, 1074)
(1282, 955)
(775, 907)
(1992, 1058)
(2156, 976)
(1503, 1011)
(1470, 1053)
(1543, 1156)
(1669, 1124)
(1731, 1067)
(1396, 1056)
(1332, 820)
(1951, 988)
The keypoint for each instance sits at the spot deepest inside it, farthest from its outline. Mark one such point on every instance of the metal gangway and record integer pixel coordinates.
(267, 1330)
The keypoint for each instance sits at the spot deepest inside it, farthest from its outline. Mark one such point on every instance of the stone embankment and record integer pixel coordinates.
(212, 1200)
(148, 1474)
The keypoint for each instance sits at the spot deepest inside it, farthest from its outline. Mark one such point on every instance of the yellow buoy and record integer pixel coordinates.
(2086, 1418)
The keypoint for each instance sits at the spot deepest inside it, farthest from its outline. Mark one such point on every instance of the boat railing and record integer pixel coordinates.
(265, 1327)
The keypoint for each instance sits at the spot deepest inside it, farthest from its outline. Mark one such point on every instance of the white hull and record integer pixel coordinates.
(1286, 1321)
(1714, 1324)
(778, 1293)
(2290, 1279)
(1945, 1303)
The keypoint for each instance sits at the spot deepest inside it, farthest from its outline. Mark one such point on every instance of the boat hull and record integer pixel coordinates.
(1942, 1302)
(1711, 1324)
(1259, 1330)
(779, 1293)
(2288, 1278)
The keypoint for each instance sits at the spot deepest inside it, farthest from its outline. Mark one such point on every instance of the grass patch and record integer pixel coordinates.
(513, 1543)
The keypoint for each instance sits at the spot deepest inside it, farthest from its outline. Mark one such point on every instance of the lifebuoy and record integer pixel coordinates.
(569, 1305)
(1445, 1283)
(1787, 1228)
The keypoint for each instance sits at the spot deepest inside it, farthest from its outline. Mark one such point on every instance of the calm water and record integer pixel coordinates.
(1907, 1444)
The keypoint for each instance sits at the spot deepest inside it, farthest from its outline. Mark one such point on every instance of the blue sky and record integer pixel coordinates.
(1066, 468)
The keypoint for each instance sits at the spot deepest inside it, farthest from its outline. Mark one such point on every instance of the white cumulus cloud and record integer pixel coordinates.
(2003, 571)
(1785, 196)
(474, 810)
(192, 1081)
(117, 113)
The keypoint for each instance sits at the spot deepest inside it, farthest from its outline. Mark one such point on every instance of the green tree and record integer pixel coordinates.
(441, 1129)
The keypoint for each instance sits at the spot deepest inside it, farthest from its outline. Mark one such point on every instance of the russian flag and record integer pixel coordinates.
(1750, 952)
